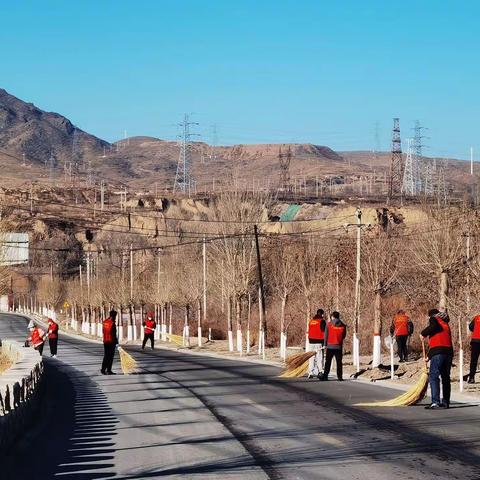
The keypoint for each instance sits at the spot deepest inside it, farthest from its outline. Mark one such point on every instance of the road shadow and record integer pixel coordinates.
(74, 435)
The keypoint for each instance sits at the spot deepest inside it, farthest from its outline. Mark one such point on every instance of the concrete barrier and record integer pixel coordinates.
(20, 391)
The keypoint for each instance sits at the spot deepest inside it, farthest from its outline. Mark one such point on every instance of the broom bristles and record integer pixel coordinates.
(127, 362)
(411, 397)
(177, 339)
(297, 365)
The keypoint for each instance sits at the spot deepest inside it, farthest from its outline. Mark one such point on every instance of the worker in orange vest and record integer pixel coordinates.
(149, 326)
(110, 342)
(440, 355)
(316, 335)
(335, 333)
(474, 327)
(401, 329)
(36, 338)
(52, 337)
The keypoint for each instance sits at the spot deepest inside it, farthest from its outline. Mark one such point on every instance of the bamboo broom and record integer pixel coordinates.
(177, 339)
(412, 396)
(297, 365)
(127, 362)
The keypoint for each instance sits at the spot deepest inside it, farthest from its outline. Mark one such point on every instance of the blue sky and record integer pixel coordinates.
(262, 71)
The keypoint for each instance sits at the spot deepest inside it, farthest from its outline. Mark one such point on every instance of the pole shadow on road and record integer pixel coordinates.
(74, 436)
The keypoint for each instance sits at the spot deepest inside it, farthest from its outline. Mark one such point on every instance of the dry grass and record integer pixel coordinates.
(5, 363)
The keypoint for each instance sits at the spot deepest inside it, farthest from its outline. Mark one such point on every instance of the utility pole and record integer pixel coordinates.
(31, 198)
(131, 273)
(183, 177)
(262, 290)
(204, 254)
(102, 195)
(356, 344)
(88, 277)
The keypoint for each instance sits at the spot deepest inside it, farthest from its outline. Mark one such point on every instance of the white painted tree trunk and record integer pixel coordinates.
(377, 351)
(248, 342)
(230, 341)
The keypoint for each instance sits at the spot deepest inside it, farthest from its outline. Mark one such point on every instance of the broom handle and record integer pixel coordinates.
(423, 350)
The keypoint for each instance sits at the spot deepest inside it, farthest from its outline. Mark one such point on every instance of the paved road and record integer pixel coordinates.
(186, 416)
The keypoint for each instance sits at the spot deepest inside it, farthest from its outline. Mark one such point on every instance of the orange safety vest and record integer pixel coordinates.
(108, 331)
(335, 334)
(443, 338)
(400, 323)
(315, 331)
(149, 326)
(36, 337)
(476, 328)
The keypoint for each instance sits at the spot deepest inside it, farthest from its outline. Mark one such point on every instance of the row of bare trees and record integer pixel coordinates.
(431, 261)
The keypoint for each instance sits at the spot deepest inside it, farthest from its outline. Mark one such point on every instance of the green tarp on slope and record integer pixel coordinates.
(290, 213)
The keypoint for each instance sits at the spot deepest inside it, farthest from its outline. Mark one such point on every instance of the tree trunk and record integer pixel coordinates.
(377, 329)
(443, 291)
(377, 314)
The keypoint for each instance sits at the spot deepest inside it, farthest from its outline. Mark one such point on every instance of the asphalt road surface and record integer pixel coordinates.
(186, 416)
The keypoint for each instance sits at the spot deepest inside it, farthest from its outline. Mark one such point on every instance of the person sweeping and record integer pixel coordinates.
(110, 342)
(52, 337)
(36, 338)
(316, 336)
(149, 326)
(401, 329)
(474, 327)
(335, 333)
(440, 356)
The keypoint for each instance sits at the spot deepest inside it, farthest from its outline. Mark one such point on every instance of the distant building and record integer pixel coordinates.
(14, 248)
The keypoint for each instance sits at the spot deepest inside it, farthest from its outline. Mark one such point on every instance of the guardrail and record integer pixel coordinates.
(20, 388)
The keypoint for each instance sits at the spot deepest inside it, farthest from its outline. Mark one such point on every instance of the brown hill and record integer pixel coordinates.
(30, 131)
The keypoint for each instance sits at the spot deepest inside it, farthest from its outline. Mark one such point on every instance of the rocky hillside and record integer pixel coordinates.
(27, 130)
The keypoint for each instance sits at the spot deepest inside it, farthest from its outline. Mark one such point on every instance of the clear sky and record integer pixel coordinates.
(263, 71)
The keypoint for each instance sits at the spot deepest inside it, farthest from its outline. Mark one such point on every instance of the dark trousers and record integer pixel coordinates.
(109, 349)
(53, 342)
(402, 347)
(328, 362)
(440, 366)
(146, 337)
(40, 348)
(474, 354)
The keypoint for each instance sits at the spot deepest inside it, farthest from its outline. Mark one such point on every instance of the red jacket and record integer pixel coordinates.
(109, 331)
(52, 329)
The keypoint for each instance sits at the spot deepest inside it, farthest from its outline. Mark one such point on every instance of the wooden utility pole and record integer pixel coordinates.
(260, 280)
(356, 344)
(131, 272)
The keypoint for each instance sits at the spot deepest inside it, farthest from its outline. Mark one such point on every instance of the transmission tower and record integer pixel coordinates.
(396, 163)
(183, 178)
(421, 167)
(284, 160)
(409, 186)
